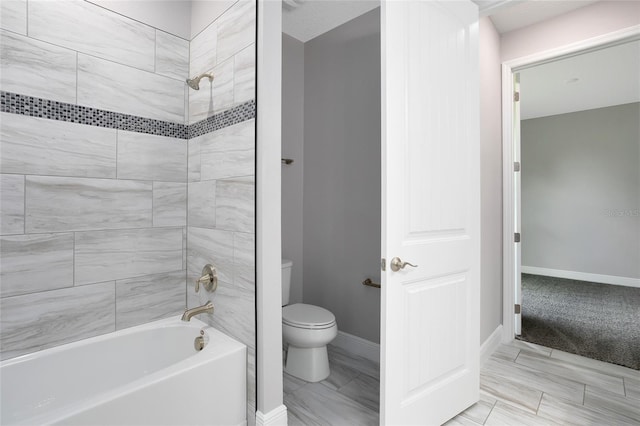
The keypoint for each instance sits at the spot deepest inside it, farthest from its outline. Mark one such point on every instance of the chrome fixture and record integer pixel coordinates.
(204, 309)
(209, 279)
(194, 82)
(370, 283)
(397, 264)
(198, 343)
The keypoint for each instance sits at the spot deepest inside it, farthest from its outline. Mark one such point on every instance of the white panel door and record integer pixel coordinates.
(430, 210)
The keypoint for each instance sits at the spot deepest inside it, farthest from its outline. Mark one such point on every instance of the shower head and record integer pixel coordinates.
(194, 83)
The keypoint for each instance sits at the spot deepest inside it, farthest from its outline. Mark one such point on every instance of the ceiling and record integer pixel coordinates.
(509, 15)
(591, 80)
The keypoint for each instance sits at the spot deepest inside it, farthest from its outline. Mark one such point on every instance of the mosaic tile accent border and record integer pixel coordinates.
(15, 103)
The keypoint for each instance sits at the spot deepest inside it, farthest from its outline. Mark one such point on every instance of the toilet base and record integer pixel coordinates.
(310, 364)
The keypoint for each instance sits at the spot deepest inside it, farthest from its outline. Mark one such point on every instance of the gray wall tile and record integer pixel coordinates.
(212, 97)
(194, 159)
(149, 298)
(114, 87)
(169, 204)
(202, 204)
(172, 56)
(221, 165)
(238, 137)
(73, 204)
(87, 28)
(33, 263)
(210, 246)
(244, 260)
(11, 204)
(109, 255)
(151, 157)
(244, 74)
(32, 145)
(13, 16)
(235, 205)
(34, 68)
(236, 29)
(37, 321)
(203, 51)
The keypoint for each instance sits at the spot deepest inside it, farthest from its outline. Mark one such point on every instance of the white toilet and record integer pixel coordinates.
(307, 329)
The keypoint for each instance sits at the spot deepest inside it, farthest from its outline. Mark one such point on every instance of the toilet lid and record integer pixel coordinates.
(307, 316)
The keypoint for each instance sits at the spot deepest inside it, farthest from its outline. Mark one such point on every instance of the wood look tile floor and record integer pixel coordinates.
(520, 384)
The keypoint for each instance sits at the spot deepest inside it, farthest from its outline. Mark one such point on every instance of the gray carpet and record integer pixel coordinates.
(599, 321)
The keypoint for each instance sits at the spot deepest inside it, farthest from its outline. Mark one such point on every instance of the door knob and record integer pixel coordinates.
(397, 264)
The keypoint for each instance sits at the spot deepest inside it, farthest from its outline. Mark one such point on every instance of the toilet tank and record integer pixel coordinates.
(286, 280)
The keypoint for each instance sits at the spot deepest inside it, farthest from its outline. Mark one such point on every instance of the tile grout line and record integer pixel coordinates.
(539, 402)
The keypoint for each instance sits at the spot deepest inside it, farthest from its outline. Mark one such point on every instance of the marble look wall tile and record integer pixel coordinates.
(235, 205)
(193, 174)
(34, 68)
(32, 145)
(75, 204)
(13, 16)
(11, 204)
(169, 204)
(238, 137)
(37, 321)
(114, 87)
(202, 204)
(113, 255)
(172, 56)
(31, 263)
(90, 29)
(236, 29)
(202, 51)
(151, 157)
(210, 246)
(244, 73)
(212, 97)
(244, 260)
(251, 377)
(234, 312)
(149, 298)
(223, 165)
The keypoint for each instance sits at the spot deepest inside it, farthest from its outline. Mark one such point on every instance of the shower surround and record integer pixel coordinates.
(118, 182)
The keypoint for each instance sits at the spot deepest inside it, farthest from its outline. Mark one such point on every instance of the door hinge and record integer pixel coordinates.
(516, 96)
(516, 166)
(516, 237)
(383, 264)
(517, 309)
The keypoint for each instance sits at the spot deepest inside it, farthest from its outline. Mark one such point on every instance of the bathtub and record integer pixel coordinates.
(149, 374)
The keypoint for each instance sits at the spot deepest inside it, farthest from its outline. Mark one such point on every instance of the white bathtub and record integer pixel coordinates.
(150, 374)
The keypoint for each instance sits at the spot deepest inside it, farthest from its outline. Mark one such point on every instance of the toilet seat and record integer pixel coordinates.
(305, 316)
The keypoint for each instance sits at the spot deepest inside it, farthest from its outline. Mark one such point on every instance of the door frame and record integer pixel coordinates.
(508, 189)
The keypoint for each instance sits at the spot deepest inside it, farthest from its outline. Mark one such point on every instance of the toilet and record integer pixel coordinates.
(307, 330)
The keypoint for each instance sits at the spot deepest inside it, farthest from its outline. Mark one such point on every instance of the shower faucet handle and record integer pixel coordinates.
(209, 279)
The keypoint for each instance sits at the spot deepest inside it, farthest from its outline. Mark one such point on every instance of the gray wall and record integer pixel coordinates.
(293, 147)
(490, 180)
(91, 216)
(581, 191)
(342, 174)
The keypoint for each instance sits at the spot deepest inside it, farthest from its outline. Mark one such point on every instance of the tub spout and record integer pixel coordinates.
(206, 308)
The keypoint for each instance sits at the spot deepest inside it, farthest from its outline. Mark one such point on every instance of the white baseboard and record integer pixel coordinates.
(583, 276)
(275, 417)
(488, 347)
(358, 346)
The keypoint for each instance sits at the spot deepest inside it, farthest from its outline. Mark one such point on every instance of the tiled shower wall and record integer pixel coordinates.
(221, 180)
(97, 167)
(93, 214)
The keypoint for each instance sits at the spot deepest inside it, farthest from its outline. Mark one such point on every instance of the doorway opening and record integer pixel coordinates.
(571, 187)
